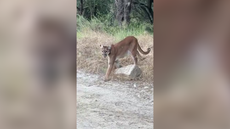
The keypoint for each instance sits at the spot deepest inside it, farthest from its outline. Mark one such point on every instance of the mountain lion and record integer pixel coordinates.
(127, 46)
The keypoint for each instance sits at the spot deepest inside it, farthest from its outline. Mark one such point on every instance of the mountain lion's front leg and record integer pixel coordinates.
(110, 68)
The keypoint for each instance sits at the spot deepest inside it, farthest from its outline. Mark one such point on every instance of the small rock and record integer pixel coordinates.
(134, 85)
(133, 71)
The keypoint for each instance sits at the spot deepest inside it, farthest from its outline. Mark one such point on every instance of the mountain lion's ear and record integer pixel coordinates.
(101, 46)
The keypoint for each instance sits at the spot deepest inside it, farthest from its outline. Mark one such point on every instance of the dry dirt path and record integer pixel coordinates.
(113, 105)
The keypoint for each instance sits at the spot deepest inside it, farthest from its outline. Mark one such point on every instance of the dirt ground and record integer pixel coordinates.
(113, 104)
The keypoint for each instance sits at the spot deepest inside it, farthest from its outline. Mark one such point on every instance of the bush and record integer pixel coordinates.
(105, 24)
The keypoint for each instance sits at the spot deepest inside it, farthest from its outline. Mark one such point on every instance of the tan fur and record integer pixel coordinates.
(127, 46)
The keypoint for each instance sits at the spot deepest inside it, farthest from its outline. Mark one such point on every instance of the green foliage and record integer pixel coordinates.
(94, 24)
(105, 9)
(141, 12)
(99, 16)
(94, 8)
(104, 24)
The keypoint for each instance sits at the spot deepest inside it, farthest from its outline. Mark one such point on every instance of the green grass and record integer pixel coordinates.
(106, 25)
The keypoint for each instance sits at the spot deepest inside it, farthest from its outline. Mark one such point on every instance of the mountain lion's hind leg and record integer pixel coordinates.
(134, 57)
(117, 64)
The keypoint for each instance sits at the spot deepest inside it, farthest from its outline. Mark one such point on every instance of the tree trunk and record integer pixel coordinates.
(127, 11)
(123, 9)
(119, 11)
(149, 5)
(81, 7)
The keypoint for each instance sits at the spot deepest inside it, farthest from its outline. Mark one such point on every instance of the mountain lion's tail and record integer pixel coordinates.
(141, 51)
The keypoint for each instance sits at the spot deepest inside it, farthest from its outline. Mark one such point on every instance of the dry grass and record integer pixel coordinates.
(89, 56)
